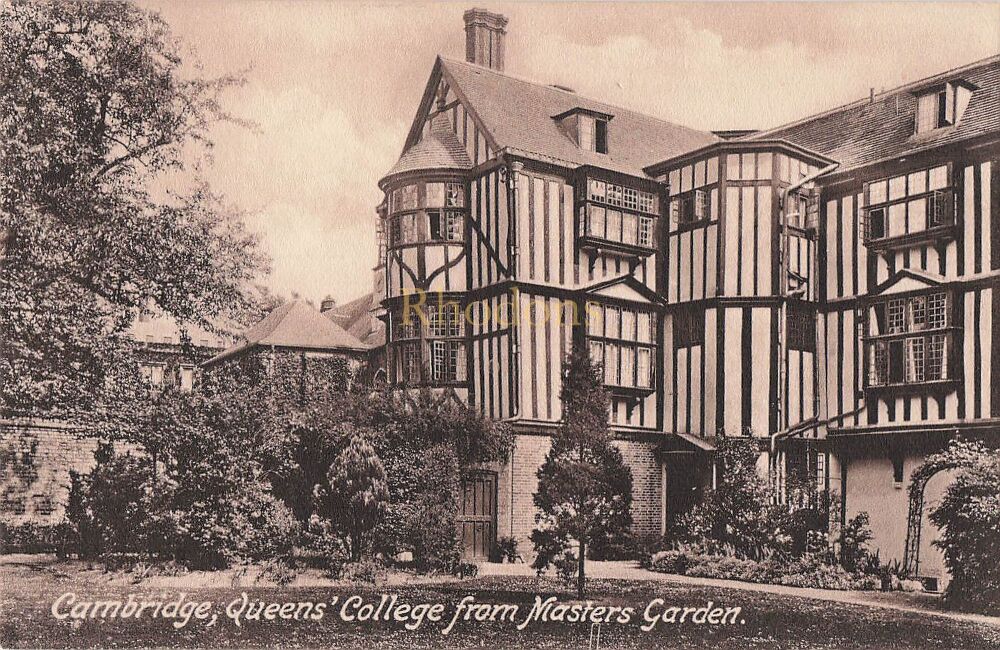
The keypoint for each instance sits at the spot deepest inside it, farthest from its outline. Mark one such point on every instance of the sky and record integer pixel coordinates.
(333, 87)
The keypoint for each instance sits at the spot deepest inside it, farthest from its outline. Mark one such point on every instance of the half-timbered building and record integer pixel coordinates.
(825, 287)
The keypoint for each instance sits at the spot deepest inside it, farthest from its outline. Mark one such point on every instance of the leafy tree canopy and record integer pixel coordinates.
(103, 211)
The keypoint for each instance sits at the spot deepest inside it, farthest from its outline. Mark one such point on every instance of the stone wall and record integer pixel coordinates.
(36, 458)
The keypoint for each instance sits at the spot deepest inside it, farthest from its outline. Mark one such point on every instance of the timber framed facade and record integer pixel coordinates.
(827, 287)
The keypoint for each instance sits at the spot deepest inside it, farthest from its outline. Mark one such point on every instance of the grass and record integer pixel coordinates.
(28, 589)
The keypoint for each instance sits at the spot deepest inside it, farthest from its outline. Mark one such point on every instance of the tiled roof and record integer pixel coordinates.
(294, 324)
(440, 149)
(519, 114)
(864, 132)
(357, 318)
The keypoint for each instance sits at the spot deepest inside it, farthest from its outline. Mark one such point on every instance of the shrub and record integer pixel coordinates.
(504, 550)
(467, 570)
(645, 546)
(366, 571)
(676, 562)
(854, 540)
(30, 537)
(279, 572)
(432, 529)
(322, 546)
(115, 509)
(806, 571)
(217, 530)
(969, 518)
(425, 441)
(740, 514)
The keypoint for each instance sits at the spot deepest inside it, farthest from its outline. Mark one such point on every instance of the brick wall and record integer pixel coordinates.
(647, 485)
(518, 481)
(35, 462)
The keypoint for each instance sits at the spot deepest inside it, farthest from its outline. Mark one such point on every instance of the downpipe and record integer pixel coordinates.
(783, 308)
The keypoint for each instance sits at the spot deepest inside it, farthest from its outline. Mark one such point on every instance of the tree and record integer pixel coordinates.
(357, 496)
(103, 210)
(584, 486)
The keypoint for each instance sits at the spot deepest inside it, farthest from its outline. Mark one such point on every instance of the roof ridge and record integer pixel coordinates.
(541, 84)
(916, 83)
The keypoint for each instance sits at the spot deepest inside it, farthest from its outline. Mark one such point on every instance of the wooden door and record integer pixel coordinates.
(478, 515)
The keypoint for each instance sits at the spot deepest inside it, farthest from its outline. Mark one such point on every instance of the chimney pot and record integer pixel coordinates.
(485, 33)
(327, 304)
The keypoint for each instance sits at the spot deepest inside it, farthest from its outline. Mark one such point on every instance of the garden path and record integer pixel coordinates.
(629, 570)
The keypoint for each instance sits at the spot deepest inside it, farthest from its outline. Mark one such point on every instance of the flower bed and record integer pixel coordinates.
(807, 571)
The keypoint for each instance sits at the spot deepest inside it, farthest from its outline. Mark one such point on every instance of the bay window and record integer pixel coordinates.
(618, 215)
(430, 348)
(426, 212)
(908, 339)
(620, 339)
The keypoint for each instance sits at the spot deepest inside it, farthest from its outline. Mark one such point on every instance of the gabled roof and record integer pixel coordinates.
(905, 280)
(865, 132)
(357, 318)
(439, 149)
(624, 287)
(520, 115)
(294, 324)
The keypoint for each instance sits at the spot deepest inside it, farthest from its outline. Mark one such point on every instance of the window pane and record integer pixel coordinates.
(586, 126)
(645, 232)
(645, 327)
(407, 198)
(918, 313)
(896, 362)
(435, 195)
(896, 316)
(643, 380)
(611, 326)
(434, 221)
(628, 325)
(926, 112)
(614, 225)
(936, 358)
(915, 360)
(630, 228)
(454, 226)
(937, 313)
(597, 353)
(628, 366)
(595, 226)
(611, 364)
(455, 195)
(187, 379)
(595, 319)
(596, 189)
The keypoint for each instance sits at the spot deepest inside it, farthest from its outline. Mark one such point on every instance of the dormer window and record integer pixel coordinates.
(589, 128)
(942, 106)
(909, 209)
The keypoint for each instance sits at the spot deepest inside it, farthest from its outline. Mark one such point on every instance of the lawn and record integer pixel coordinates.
(29, 589)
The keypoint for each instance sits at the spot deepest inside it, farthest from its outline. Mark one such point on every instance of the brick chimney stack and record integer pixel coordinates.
(484, 38)
(327, 304)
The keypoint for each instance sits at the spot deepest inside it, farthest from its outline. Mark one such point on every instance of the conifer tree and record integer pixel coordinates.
(358, 495)
(584, 492)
